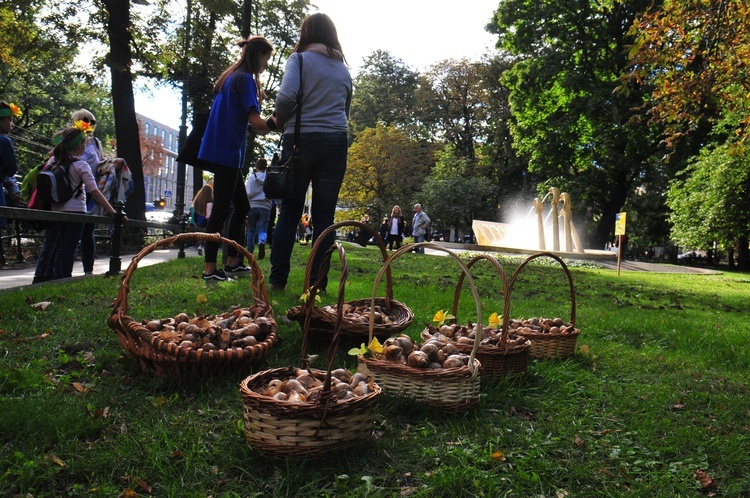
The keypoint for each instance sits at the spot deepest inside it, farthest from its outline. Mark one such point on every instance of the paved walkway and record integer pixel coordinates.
(20, 277)
(13, 278)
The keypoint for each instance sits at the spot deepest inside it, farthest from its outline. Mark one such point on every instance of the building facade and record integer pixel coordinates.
(163, 185)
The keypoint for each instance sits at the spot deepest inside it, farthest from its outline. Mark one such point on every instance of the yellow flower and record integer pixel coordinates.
(306, 296)
(375, 345)
(83, 126)
(494, 320)
(15, 110)
(441, 316)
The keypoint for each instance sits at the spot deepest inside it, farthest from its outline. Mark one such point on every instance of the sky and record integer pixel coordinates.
(418, 32)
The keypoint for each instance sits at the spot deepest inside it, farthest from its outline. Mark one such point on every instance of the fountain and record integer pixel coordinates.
(519, 237)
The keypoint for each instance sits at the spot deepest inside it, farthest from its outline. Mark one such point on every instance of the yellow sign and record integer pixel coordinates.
(620, 224)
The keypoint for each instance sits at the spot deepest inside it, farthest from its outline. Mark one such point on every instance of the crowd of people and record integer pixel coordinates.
(316, 89)
(99, 183)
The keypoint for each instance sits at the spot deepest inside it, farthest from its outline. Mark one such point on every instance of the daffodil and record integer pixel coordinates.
(306, 296)
(441, 317)
(374, 347)
(494, 320)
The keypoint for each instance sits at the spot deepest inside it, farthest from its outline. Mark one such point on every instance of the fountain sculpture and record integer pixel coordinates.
(519, 235)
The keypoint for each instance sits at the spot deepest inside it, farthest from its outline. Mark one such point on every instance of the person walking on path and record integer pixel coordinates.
(323, 144)
(419, 226)
(260, 208)
(237, 101)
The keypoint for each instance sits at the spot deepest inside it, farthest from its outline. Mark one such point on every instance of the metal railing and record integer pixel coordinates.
(116, 223)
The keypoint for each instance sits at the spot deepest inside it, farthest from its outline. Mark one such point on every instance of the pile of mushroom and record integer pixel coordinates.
(306, 386)
(235, 329)
(432, 354)
(465, 334)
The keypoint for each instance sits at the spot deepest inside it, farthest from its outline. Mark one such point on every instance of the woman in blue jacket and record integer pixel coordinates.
(237, 99)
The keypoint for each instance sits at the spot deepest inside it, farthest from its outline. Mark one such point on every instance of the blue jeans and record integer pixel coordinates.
(88, 247)
(47, 259)
(257, 223)
(417, 239)
(70, 234)
(322, 161)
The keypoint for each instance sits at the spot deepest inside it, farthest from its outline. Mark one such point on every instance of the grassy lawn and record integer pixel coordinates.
(657, 389)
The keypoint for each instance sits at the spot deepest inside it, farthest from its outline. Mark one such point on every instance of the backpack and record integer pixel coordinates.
(53, 184)
(28, 184)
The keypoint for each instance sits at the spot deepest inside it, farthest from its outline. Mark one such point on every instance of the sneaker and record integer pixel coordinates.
(215, 275)
(276, 287)
(237, 269)
(261, 251)
(88, 274)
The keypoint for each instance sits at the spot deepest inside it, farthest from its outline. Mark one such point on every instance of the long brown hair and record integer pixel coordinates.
(202, 198)
(253, 48)
(318, 28)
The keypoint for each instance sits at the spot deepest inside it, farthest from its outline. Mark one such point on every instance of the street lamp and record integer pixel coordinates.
(180, 197)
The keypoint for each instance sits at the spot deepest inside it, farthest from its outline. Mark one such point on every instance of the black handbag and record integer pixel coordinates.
(279, 182)
(189, 152)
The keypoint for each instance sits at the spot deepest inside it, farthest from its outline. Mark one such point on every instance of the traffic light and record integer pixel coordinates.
(159, 203)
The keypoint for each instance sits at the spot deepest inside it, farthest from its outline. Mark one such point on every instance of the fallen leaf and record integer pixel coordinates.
(707, 482)
(128, 493)
(143, 485)
(678, 406)
(51, 457)
(41, 305)
(201, 298)
(579, 442)
(80, 387)
(498, 455)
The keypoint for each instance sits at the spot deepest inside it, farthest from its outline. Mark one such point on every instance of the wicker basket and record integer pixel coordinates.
(287, 429)
(166, 359)
(354, 327)
(546, 345)
(504, 358)
(446, 389)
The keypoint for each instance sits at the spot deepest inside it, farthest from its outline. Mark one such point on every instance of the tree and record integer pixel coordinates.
(453, 99)
(694, 55)
(570, 55)
(152, 151)
(384, 93)
(385, 168)
(710, 202)
(453, 198)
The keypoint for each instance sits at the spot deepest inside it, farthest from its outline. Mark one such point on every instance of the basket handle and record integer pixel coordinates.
(567, 273)
(361, 226)
(409, 247)
(506, 303)
(310, 304)
(260, 294)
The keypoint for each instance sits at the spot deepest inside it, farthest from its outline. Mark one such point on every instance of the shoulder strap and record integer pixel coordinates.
(299, 102)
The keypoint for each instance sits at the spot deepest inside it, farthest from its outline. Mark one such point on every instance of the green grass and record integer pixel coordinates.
(657, 389)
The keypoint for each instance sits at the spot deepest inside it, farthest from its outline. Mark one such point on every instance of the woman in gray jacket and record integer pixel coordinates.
(326, 98)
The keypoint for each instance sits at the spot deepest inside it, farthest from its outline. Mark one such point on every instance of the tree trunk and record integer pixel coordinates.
(743, 255)
(126, 124)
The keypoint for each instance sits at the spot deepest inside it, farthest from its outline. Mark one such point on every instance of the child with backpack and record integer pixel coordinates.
(76, 182)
